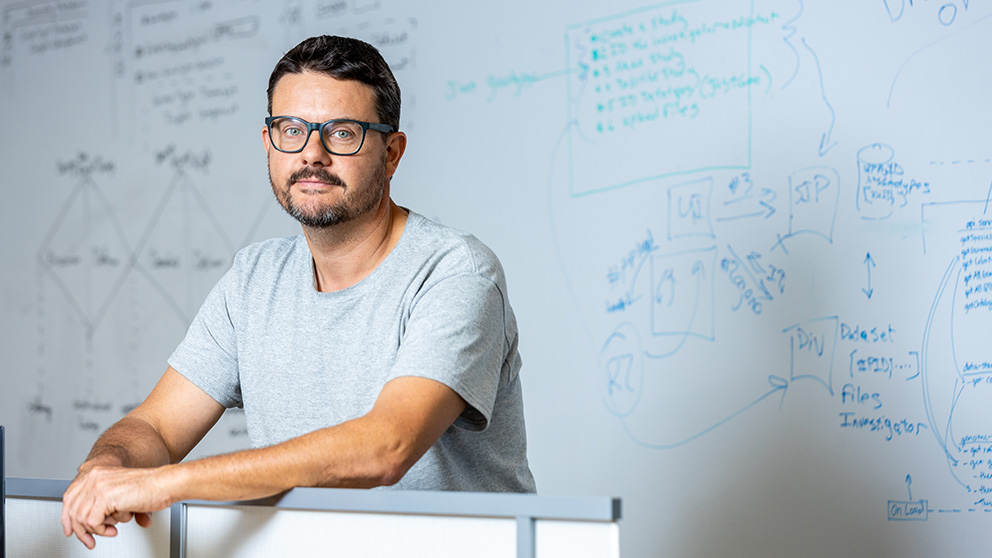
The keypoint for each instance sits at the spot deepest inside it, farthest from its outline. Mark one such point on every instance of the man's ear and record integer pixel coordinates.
(395, 147)
(265, 139)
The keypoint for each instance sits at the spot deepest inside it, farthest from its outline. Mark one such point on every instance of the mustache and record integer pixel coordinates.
(318, 173)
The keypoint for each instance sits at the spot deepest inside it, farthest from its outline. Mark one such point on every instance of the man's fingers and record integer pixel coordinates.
(143, 519)
(84, 537)
(66, 524)
(97, 524)
(69, 500)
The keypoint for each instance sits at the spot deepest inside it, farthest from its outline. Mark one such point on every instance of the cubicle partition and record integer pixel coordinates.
(34, 528)
(332, 522)
(3, 499)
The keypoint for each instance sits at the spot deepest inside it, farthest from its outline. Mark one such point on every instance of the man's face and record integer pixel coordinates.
(319, 189)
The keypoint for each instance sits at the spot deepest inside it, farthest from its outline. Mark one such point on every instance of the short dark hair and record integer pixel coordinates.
(344, 58)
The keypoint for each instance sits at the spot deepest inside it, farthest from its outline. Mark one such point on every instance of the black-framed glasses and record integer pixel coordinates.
(290, 134)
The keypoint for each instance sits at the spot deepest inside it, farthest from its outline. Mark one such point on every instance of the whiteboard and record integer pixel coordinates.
(748, 242)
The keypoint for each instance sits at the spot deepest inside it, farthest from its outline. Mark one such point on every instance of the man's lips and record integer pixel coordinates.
(314, 184)
(315, 178)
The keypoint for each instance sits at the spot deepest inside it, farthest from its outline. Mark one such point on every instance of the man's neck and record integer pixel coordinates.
(346, 253)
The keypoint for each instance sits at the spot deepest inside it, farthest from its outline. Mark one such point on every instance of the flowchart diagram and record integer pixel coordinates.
(676, 97)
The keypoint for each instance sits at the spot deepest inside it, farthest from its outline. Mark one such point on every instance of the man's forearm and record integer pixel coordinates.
(348, 455)
(131, 442)
(373, 450)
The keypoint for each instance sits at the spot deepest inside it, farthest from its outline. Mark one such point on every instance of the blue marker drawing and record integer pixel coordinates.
(988, 197)
(869, 263)
(622, 363)
(509, 84)
(744, 193)
(650, 309)
(947, 13)
(874, 199)
(755, 282)
(679, 290)
(826, 143)
(811, 348)
(907, 510)
(791, 29)
(677, 71)
(681, 307)
(895, 16)
(883, 186)
(682, 298)
(939, 431)
(917, 375)
(814, 196)
(778, 385)
(689, 209)
(956, 360)
(873, 364)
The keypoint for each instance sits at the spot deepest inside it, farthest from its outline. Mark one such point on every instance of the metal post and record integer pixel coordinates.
(525, 536)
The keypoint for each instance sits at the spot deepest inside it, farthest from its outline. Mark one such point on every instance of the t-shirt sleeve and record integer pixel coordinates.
(207, 356)
(456, 335)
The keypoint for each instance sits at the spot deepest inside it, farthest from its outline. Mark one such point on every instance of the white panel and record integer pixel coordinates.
(576, 539)
(34, 530)
(249, 532)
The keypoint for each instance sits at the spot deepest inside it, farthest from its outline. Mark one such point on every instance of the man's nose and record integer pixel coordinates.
(313, 152)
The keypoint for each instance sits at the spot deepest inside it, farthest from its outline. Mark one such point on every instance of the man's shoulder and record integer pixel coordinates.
(452, 249)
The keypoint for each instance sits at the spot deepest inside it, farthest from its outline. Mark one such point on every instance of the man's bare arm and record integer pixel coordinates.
(374, 450)
(409, 415)
(160, 431)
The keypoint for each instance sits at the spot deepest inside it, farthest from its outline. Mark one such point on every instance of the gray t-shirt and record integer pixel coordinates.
(299, 360)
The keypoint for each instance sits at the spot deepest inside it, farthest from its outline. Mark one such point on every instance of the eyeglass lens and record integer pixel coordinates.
(342, 137)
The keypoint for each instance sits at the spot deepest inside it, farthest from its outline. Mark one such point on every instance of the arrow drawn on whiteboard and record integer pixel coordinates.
(869, 263)
(778, 385)
(763, 209)
(909, 487)
(826, 144)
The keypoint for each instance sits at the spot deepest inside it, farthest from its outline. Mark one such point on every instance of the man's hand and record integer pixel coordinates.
(101, 497)
(127, 472)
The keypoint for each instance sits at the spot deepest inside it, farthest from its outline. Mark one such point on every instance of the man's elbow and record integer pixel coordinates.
(393, 462)
(380, 464)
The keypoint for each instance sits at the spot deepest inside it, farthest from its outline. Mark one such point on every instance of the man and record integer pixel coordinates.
(375, 349)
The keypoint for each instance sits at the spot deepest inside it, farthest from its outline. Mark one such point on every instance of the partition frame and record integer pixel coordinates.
(526, 509)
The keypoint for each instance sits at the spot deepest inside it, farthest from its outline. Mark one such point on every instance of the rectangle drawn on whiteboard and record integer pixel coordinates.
(660, 91)
(908, 511)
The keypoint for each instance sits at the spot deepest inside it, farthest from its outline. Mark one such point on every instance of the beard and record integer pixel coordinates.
(357, 199)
